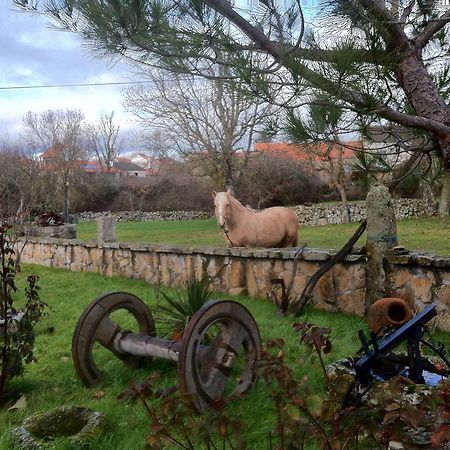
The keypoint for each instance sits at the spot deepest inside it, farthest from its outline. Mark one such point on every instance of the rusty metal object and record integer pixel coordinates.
(97, 326)
(220, 347)
(216, 356)
(388, 312)
(47, 219)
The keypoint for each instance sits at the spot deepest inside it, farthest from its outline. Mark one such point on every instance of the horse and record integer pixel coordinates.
(245, 227)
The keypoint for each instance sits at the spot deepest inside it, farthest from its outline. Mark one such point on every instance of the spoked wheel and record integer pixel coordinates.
(99, 324)
(220, 347)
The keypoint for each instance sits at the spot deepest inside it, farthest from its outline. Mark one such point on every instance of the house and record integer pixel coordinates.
(125, 167)
(133, 165)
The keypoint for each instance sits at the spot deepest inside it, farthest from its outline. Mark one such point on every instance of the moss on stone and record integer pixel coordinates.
(78, 425)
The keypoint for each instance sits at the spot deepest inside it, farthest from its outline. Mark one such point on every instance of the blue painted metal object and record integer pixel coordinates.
(379, 362)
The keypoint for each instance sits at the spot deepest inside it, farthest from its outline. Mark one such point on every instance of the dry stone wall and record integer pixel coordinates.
(325, 213)
(314, 214)
(419, 278)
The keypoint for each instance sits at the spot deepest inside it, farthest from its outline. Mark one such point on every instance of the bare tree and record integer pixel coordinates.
(332, 157)
(61, 134)
(385, 60)
(104, 141)
(207, 122)
(318, 131)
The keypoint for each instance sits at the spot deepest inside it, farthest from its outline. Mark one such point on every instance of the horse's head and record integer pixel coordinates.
(222, 208)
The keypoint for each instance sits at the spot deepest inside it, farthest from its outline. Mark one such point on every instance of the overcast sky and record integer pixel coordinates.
(32, 53)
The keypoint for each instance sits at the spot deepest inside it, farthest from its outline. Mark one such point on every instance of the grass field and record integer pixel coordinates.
(425, 234)
(51, 381)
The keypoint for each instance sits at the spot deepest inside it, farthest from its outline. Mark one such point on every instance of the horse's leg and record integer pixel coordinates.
(295, 241)
(289, 241)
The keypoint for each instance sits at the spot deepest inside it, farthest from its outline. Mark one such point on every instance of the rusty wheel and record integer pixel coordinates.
(99, 324)
(219, 349)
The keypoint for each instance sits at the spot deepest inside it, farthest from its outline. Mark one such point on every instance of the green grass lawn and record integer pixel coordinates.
(51, 381)
(425, 234)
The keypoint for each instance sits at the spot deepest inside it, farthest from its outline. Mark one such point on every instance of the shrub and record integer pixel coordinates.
(16, 324)
(396, 410)
(176, 310)
(270, 181)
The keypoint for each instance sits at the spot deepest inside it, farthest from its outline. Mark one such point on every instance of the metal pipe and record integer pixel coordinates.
(141, 344)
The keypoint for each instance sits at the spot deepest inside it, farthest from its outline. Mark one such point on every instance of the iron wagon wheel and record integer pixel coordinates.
(96, 325)
(219, 350)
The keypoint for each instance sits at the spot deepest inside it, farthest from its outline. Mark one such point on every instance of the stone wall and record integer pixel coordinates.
(324, 213)
(419, 278)
(141, 216)
(314, 214)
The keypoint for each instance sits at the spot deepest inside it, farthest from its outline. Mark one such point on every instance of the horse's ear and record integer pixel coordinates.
(214, 193)
(229, 191)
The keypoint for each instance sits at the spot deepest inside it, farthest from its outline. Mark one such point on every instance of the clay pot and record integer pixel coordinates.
(388, 312)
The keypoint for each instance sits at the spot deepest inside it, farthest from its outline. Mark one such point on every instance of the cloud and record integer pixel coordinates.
(33, 53)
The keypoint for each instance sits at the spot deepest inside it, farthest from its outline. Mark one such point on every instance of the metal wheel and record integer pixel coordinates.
(219, 349)
(98, 325)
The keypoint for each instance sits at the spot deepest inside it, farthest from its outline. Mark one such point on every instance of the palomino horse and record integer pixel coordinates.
(244, 227)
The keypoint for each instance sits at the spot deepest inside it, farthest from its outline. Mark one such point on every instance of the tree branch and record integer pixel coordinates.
(431, 29)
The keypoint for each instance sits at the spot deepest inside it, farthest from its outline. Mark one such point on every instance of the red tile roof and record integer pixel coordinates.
(316, 151)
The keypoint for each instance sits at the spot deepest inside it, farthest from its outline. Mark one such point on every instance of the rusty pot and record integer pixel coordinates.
(388, 312)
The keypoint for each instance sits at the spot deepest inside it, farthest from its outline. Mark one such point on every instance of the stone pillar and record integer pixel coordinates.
(106, 229)
(381, 237)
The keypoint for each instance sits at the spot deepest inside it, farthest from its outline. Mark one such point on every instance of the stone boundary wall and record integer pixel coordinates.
(315, 214)
(323, 213)
(141, 216)
(419, 278)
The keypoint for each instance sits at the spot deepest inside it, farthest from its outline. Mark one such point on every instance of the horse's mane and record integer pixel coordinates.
(239, 204)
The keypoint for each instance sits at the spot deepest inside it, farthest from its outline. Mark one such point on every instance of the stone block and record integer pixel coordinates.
(399, 277)
(421, 288)
(324, 291)
(236, 274)
(106, 229)
(443, 294)
(66, 231)
(237, 291)
(349, 276)
(352, 302)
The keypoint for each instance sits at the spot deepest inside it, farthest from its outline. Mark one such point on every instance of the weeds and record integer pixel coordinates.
(16, 325)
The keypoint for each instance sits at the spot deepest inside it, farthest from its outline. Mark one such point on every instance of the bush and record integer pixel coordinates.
(271, 181)
(94, 192)
(16, 325)
(396, 410)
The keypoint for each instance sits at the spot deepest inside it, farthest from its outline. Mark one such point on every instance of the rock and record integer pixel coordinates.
(80, 426)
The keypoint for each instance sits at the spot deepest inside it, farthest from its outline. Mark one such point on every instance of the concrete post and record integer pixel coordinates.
(106, 229)
(381, 237)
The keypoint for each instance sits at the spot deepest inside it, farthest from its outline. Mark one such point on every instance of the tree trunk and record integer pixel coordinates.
(428, 197)
(444, 200)
(424, 96)
(344, 200)
(66, 202)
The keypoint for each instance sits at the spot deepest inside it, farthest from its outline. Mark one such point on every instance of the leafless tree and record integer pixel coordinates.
(385, 60)
(104, 141)
(205, 121)
(62, 134)
(20, 191)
